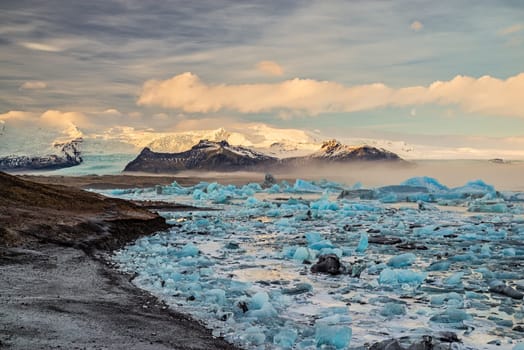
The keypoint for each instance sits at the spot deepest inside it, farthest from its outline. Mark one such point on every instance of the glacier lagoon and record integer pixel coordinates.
(428, 259)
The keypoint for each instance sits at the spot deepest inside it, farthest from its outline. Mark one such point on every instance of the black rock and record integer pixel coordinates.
(328, 263)
(384, 240)
(388, 344)
(500, 288)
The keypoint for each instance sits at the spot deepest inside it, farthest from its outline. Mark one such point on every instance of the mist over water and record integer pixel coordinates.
(504, 176)
(452, 173)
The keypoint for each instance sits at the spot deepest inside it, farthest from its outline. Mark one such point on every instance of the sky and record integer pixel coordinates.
(442, 73)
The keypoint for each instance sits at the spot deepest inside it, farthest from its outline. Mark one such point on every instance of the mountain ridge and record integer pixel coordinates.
(221, 156)
(69, 155)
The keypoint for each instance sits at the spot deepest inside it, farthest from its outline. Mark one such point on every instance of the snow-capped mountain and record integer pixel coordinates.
(273, 141)
(206, 155)
(335, 151)
(68, 155)
(221, 156)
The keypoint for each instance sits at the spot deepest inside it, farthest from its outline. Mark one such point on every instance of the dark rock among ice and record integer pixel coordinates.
(329, 264)
(500, 287)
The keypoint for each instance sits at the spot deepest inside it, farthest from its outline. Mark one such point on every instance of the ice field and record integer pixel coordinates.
(418, 259)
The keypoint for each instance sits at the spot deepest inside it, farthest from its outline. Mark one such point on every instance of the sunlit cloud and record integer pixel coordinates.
(33, 85)
(40, 47)
(112, 112)
(270, 68)
(512, 29)
(416, 26)
(188, 93)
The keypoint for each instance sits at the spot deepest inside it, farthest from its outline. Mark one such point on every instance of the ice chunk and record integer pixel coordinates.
(254, 336)
(395, 277)
(393, 309)
(519, 346)
(305, 186)
(325, 243)
(313, 237)
(424, 181)
(303, 253)
(402, 260)
(388, 277)
(454, 279)
(509, 252)
(188, 250)
(258, 300)
(324, 204)
(329, 331)
(215, 296)
(476, 189)
(286, 338)
(363, 243)
(451, 315)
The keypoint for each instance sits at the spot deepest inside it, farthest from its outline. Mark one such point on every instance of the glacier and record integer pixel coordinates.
(242, 267)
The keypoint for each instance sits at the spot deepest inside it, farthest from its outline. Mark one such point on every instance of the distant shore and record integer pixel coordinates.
(124, 181)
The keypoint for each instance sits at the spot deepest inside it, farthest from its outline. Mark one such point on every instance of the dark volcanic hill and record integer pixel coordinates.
(220, 156)
(206, 155)
(31, 212)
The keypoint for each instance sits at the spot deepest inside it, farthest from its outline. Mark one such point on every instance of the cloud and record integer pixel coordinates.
(416, 26)
(33, 85)
(188, 93)
(40, 47)
(270, 67)
(512, 29)
(51, 118)
(112, 112)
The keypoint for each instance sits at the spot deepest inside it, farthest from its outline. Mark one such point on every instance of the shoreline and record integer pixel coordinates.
(58, 290)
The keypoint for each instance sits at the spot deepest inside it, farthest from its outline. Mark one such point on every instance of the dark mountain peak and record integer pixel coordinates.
(331, 146)
(333, 150)
(205, 155)
(211, 144)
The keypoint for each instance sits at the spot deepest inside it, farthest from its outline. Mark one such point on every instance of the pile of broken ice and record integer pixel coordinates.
(412, 269)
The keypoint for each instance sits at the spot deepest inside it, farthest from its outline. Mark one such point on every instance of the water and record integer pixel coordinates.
(246, 248)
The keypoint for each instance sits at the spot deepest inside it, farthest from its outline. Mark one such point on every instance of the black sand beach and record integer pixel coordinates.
(57, 291)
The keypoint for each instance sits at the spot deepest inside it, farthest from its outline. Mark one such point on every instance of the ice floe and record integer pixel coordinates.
(417, 259)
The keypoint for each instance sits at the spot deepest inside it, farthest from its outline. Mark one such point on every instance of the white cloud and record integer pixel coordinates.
(41, 47)
(188, 93)
(112, 112)
(416, 26)
(512, 29)
(33, 85)
(270, 68)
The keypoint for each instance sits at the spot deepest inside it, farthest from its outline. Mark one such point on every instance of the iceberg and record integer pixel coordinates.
(393, 309)
(363, 243)
(394, 277)
(402, 260)
(429, 183)
(338, 336)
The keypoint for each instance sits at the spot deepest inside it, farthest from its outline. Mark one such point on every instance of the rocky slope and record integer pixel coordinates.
(56, 289)
(220, 156)
(68, 155)
(31, 212)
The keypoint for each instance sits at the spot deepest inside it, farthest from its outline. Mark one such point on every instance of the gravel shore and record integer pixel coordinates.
(57, 292)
